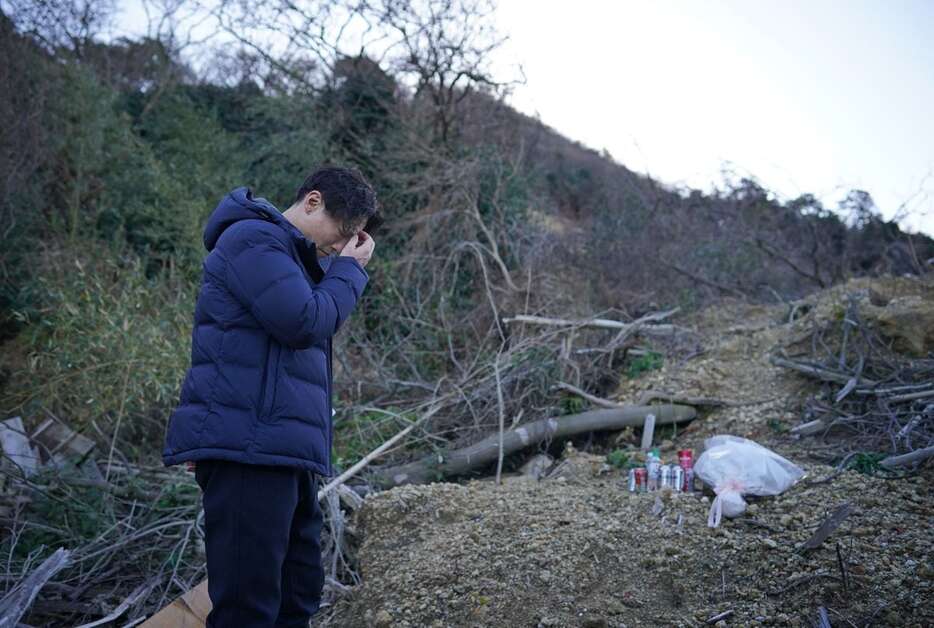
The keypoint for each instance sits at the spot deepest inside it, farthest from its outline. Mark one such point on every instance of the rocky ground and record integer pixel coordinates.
(575, 548)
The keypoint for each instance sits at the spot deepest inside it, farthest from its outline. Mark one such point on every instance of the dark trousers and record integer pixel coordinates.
(262, 538)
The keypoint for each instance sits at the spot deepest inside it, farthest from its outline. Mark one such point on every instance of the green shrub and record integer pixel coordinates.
(648, 362)
(571, 404)
(619, 459)
(105, 344)
(358, 434)
(867, 462)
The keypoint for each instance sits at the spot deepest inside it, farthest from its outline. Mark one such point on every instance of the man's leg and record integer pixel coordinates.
(248, 511)
(302, 571)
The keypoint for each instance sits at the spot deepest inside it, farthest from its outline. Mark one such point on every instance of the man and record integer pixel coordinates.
(255, 406)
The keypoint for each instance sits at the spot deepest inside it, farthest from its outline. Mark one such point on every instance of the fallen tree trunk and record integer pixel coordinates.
(915, 456)
(647, 330)
(481, 453)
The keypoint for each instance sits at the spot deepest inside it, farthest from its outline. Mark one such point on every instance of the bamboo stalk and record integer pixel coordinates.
(485, 451)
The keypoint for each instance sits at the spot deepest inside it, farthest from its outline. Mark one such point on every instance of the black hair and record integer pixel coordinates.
(347, 196)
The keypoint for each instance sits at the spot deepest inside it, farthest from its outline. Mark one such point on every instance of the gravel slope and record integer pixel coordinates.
(576, 549)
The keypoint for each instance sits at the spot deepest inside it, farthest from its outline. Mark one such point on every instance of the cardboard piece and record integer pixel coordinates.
(188, 611)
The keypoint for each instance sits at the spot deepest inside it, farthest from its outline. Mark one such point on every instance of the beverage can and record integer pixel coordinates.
(686, 458)
(640, 476)
(631, 483)
(686, 462)
(665, 476)
(677, 478)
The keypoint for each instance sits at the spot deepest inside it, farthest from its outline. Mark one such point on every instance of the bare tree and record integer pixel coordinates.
(61, 24)
(439, 50)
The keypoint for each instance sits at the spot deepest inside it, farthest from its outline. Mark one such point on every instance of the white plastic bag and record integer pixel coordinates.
(735, 466)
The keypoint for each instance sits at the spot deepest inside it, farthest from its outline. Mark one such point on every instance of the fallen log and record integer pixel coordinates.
(430, 468)
(915, 456)
(665, 329)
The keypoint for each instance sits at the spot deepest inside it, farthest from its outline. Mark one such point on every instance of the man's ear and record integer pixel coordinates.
(312, 201)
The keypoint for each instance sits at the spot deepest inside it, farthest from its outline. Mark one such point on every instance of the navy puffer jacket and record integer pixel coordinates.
(259, 387)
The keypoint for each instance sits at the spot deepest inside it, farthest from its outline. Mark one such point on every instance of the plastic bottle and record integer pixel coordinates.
(653, 466)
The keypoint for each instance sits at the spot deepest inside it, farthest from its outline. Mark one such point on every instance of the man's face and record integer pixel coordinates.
(316, 224)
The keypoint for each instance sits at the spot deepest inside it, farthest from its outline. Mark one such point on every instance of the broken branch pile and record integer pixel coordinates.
(873, 399)
(506, 401)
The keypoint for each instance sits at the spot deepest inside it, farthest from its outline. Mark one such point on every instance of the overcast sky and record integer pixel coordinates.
(818, 96)
(804, 95)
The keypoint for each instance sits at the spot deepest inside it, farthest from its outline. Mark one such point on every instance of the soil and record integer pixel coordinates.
(575, 548)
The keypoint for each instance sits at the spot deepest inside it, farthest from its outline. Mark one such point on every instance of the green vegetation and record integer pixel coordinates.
(572, 404)
(867, 462)
(651, 361)
(361, 432)
(619, 459)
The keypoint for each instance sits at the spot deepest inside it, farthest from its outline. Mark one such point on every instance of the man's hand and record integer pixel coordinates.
(360, 248)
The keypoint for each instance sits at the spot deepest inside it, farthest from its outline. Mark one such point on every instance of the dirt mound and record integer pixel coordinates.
(576, 549)
(587, 553)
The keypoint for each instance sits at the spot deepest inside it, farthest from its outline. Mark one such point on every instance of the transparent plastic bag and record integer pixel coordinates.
(736, 466)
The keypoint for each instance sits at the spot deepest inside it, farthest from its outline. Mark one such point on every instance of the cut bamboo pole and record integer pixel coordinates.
(485, 451)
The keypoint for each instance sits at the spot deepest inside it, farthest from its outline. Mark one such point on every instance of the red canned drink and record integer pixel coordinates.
(686, 459)
(686, 462)
(641, 478)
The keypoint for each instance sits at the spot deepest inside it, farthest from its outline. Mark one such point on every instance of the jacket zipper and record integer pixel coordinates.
(262, 385)
(274, 382)
(269, 379)
(329, 422)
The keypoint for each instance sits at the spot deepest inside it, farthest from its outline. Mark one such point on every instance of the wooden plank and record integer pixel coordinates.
(16, 446)
(58, 440)
(648, 431)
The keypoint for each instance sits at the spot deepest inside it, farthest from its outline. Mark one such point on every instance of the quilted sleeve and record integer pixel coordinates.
(268, 281)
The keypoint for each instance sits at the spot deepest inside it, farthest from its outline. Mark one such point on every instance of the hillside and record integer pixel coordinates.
(118, 149)
(576, 549)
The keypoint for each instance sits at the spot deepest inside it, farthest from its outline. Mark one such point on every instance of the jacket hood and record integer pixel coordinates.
(240, 204)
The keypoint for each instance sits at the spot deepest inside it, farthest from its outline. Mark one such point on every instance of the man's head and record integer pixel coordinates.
(332, 206)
